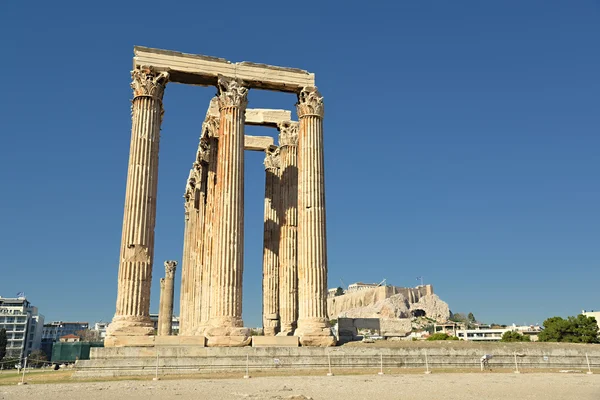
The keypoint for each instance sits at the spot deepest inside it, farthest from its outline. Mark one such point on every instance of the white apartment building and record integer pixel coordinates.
(23, 326)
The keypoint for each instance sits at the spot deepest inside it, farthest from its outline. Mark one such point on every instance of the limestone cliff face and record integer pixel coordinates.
(389, 302)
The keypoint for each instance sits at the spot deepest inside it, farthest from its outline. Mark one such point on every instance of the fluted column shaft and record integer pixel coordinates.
(228, 248)
(208, 233)
(187, 268)
(312, 246)
(167, 286)
(132, 316)
(198, 259)
(271, 245)
(288, 243)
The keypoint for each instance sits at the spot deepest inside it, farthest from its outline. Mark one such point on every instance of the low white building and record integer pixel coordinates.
(101, 328)
(486, 334)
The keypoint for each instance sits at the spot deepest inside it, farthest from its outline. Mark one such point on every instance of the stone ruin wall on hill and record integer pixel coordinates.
(362, 298)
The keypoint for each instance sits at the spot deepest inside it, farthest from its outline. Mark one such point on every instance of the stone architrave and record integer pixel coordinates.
(132, 316)
(288, 242)
(271, 244)
(167, 286)
(313, 326)
(226, 325)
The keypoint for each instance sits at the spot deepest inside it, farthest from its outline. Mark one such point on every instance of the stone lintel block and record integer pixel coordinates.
(202, 70)
(275, 341)
(258, 143)
(180, 341)
(317, 341)
(228, 341)
(129, 341)
(267, 117)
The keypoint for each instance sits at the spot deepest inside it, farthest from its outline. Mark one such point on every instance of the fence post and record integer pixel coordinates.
(329, 362)
(380, 364)
(247, 376)
(427, 371)
(516, 364)
(23, 376)
(156, 378)
(588, 363)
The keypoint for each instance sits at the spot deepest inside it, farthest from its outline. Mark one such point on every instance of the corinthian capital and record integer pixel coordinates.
(170, 267)
(232, 93)
(310, 102)
(210, 127)
(147, 82)
(288, 133)
(272, 159)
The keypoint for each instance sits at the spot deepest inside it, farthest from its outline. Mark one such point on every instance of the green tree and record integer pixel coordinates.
(441, 336)
(579, 329)
(471, 317)
(512, 336)
(37, 358)
(458, 317)
(3, 343)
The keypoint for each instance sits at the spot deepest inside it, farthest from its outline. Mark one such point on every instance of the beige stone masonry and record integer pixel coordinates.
(313, 328)
(288, 243)
(227, 261)
(132, 316)
(271, 244)
(167, 286)
(203, 70)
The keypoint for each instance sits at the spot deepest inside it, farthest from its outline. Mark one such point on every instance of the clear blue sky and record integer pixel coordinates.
(462, 143)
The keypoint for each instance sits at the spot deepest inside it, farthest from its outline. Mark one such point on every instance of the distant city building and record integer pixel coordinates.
(23, 326)
(70, 338)
(486, 334)
(592, 313)
(56, 329)
(53, 331)
(101, 328)
(174, 323)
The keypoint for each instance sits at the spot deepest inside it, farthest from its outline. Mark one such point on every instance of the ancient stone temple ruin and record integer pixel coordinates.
(295, 252)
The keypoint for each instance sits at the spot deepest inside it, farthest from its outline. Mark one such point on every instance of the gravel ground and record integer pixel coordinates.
(447, 386)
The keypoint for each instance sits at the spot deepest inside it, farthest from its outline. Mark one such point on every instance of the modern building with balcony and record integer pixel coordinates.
(23, 326)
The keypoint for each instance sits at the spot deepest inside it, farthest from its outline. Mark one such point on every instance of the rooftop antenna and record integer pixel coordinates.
(382, 283)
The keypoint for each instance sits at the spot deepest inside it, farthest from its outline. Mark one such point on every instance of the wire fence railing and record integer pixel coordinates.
(331, 361)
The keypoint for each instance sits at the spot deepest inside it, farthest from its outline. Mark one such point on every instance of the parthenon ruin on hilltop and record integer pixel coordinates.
(295, 252)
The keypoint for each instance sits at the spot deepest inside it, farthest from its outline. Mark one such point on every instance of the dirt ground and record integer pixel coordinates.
(447, 386)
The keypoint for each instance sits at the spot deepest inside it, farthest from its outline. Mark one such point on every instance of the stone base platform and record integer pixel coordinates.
(130, 361)
(275, 341)
(152, 341)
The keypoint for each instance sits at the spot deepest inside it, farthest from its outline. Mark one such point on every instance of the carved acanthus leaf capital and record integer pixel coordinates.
(190, 185)
(170, 267)
(272, 160)
(203, 153)
(210, 127)
(232, 93)
(146, 82)
(310, 102)
(288, 133)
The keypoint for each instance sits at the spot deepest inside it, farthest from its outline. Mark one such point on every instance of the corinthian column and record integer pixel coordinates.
(228, 249)
(271, 245)
(288, 243)
(132, 317)
(313, 328)
(212, 126)
(165, 313)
